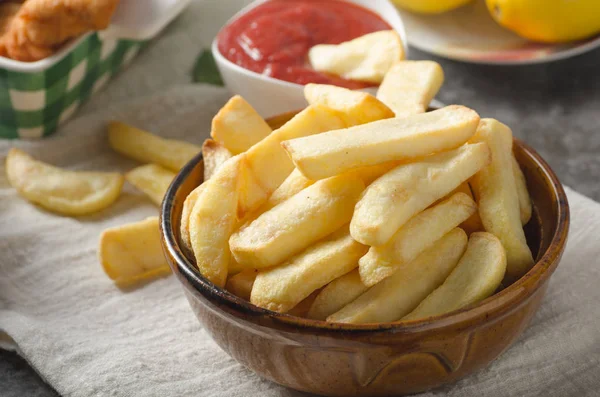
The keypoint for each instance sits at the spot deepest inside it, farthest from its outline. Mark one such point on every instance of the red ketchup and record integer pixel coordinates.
(274, 38)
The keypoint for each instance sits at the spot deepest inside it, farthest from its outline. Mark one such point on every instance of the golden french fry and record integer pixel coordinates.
(268, 164)
(334, 152)
(357, 107)
(409, 86)
(473, 224)
(476, 276)
(399, 294)
(366, 58)
(417, 235)
(241, 283)
(283, 287)
(55, 189)
(238, 126)
(214, 155)
(132, 253)
(394, 198)
(496, 190)
(212, 221)
(296, 223)
(336, 295)
(149, 148)
(184, 224)
(293, 184)
(525, 208)
(152, 180)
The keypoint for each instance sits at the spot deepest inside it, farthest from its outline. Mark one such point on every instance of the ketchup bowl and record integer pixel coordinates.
(272, 96)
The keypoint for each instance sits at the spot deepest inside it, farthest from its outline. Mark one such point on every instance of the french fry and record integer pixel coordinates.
(212, 221)
(357, 107)
(214, 155)
(296, 223)
(268, 164)
(476, 276)
(132, 253)
(473, 224)
(241, 283)
(184, 224)
(409, 86)
(283, 287)
(152, 180)
(525, 208)
(366, 58)
(394, 198)
(293, 184)
(336, 295)
(398, 295)
(417, 235)
(65, 192)
(334, 152)
(237, 126)
(148, 148)
(496, 191)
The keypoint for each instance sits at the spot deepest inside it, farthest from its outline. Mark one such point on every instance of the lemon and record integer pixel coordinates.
(430, 6)
(550, 21)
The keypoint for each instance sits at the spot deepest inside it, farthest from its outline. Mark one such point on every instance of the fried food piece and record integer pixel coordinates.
(473, 224)
(336, 295)
(8, 10)
(525, 207)
(184, 224)
(214, 156)
(65, 192)
(151, 179)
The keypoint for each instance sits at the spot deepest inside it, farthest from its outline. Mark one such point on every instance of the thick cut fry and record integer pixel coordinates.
(152, 180)
(336, 295)
(212, 221)
(496, 189)
(334, 152)
(399, 294)
(214, 156)
(241, 283)
(148, 148)
(238, 126)
(293, 184)
(283, 287)
(132, 253)
(267, 162)
(357, 107)
(525, 208)
(184, 224)
(65, 192)
(476, 276)
(366, 58)
(417, 235)
(298, 222)
(473, 224)
(409, 86)
(393, 199)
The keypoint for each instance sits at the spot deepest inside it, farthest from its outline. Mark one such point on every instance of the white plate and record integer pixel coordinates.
(470, 34)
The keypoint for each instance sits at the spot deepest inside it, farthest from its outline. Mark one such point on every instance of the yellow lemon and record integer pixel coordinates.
(430, 6)
(550, 21)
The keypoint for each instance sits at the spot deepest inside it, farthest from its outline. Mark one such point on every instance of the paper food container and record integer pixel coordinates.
(36, 97)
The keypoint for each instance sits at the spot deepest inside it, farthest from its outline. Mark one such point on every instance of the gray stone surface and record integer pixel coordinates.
(554, 107)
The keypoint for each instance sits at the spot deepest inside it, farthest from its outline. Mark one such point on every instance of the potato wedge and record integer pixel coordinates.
(132, 253)
(214, 155)
(476, 276)
(334, 152)
(149, 148)
(398, 295)
(152, 180)
(212, 221)
(525, 207)
(357, 107)
(241, 283)
(366, 58)
(283, 287)
(336, 295)
(65, 192)
(298, 222)
(184, 224)
(496, 190)
(267, 162)
(237, 126)
(409, 86)
(390, 201)
(417, 235)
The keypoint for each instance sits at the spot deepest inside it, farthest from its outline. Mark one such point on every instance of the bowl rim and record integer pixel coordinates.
(506, 300)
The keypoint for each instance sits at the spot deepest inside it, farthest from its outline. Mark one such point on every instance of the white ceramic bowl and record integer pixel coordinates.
(271, 96)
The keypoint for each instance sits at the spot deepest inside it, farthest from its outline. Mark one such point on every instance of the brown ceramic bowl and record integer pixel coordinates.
(374, 359)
